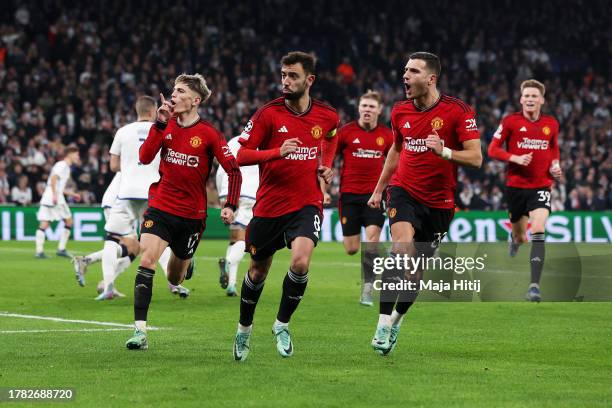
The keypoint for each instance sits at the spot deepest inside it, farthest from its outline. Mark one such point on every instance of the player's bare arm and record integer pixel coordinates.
(326, 196)
(388, 170)
(74, 195)
(54, 180)
(115, 163)
(326, 174)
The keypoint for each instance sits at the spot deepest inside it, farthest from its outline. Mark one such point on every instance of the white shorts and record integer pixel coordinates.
(244, 214)
(125, 216)
(53, 213)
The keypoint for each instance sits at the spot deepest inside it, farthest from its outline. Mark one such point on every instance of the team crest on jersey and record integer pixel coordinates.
(546, 130)
(195, 141)
(343, 220)
(437, 123)
(316, 131)
(392, 212)
(148, 223)
(380, 140)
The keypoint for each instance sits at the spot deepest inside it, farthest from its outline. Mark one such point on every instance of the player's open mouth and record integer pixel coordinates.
(407, 87)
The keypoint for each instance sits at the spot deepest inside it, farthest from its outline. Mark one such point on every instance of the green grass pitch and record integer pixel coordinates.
(448, 354)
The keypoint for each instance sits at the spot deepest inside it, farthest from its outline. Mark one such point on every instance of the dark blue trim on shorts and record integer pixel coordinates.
(115, 233)
(242, 196)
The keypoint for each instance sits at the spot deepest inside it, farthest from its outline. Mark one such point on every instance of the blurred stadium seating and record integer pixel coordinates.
(70, 72)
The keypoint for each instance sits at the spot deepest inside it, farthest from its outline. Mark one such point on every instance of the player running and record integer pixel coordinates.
(176, 214)
(292, 138)
(128, 208)
(228, 266)
(363, 145)
(533, 156)
(434, 133)
(53, 206)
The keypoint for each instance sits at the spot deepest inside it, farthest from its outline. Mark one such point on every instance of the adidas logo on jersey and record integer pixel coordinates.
(407, 125)
(283, 129)
(169, 136)
(356, 140)
(523, 129)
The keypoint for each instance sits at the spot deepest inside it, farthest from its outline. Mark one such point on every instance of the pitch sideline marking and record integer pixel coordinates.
(59, 319)
(62, 330)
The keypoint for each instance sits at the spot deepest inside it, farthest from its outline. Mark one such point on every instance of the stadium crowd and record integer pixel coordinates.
(69, 74)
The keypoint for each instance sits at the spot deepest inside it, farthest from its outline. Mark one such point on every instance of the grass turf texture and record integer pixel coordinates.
(448, 354)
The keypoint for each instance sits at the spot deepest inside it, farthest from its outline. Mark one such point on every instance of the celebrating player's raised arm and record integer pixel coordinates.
(470, 155)
(154, 140)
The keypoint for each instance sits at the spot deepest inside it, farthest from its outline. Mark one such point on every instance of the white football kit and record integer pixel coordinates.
(110, 195)
(50, 211)
(131, 202)
(248, 190)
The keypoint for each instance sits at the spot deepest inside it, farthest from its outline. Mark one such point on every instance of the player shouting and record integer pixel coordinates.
(434, 133)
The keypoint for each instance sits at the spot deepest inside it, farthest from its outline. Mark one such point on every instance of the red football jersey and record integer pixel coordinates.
(290, 183)
(428, 178)
(523, 136)
(186, 158)
(364, 154)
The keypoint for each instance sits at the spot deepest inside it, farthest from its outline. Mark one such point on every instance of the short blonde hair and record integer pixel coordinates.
(532, 83)
(145, 104)
(370, 94)
(196, 83)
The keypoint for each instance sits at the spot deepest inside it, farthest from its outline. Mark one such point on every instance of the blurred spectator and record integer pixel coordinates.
(70, 74)
(21, 194)
(346, 71)
(4, 184)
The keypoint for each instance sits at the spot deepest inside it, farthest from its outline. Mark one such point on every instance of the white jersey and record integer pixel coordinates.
(110, 195)
(136, 177)
(61, 169)
(250, 176)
